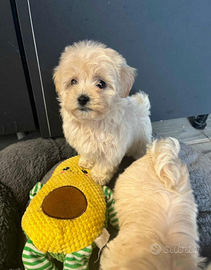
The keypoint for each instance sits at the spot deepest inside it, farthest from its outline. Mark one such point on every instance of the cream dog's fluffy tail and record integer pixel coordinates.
(167, 165)
(142, 98)
(172, 173)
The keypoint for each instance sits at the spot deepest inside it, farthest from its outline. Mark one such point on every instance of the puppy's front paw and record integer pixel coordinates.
(99, 178)
(84, 163)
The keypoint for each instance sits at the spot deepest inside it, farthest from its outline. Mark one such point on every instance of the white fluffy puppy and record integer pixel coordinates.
(157, 214)
(99, 119)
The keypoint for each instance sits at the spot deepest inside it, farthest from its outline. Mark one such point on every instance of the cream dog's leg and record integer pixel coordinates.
(100, 174)
(86, 162)
(103, 170)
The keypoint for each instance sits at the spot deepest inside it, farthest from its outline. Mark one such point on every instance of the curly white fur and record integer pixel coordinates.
(155, 205)
(111, 124)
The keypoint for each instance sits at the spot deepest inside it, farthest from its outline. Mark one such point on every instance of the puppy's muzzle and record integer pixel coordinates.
(83, 100)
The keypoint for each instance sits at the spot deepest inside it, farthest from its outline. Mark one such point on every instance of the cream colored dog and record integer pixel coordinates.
(157, 214)
(100, 120)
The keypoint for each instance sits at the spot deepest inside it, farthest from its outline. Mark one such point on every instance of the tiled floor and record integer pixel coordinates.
(182, 130)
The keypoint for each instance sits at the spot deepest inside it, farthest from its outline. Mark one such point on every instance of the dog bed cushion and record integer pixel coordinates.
(23, 164)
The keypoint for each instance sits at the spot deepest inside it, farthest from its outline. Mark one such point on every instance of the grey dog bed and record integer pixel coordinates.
(25, 163)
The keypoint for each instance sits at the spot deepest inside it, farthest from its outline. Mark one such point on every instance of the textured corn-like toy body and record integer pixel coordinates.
(66, 236)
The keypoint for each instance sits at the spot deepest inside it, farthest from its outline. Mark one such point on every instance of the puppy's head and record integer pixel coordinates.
(90, 78)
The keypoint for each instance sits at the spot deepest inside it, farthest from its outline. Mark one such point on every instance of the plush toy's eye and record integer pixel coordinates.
(101, 84)
(84, 171)
(73, 81)
(66, 168)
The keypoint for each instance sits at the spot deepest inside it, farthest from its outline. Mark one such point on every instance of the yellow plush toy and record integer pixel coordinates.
(66, 218)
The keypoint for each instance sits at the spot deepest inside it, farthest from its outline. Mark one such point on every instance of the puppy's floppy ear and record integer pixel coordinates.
(57, 80)
(127, 76)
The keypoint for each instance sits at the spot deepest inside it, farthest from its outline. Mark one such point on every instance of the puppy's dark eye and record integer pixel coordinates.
(101, 84)
(84, 171)
(73, 81)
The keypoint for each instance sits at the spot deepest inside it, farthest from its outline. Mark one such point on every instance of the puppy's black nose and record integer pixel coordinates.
(83, 99)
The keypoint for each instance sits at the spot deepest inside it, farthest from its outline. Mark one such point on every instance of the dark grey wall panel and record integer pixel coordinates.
(15, 106)
(36, 77)
(167, 41)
